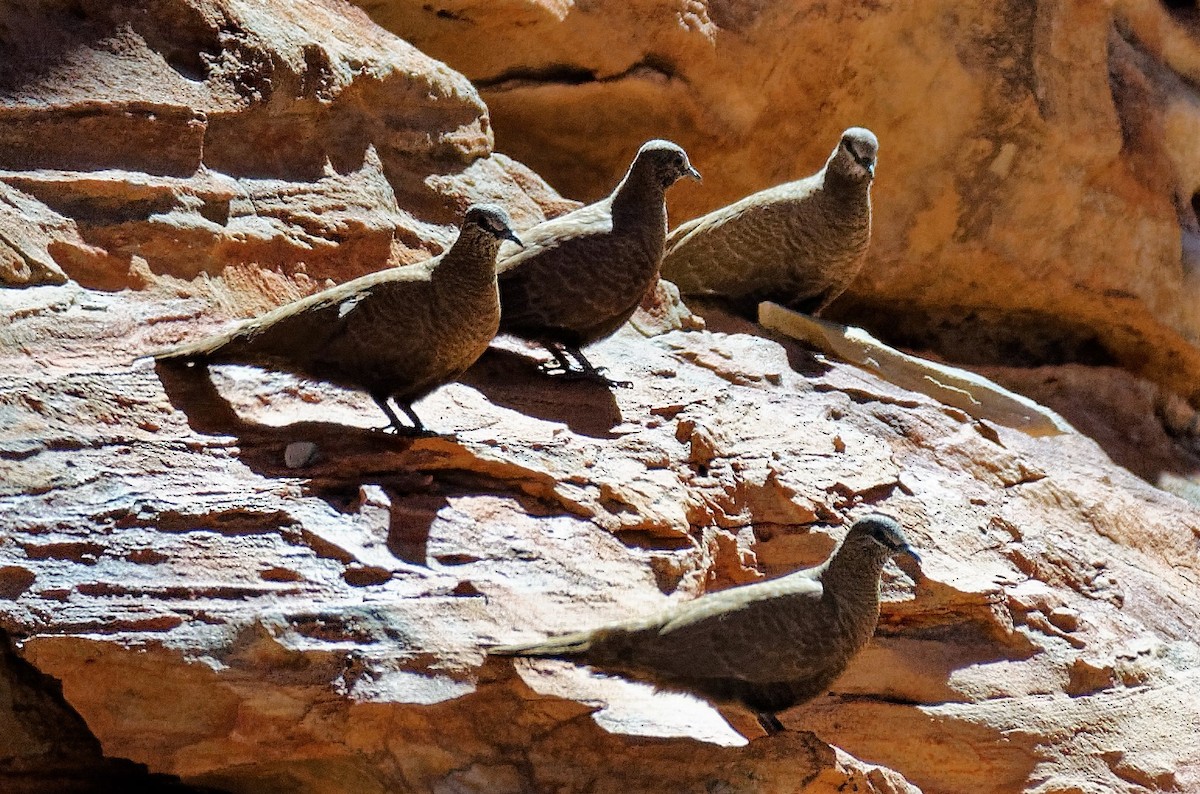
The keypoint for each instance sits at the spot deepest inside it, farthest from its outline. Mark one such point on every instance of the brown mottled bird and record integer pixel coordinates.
(581, 276)
(799, 244)
(398, 333)
(768, 645)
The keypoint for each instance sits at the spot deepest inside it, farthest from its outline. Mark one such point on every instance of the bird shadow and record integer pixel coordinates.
(191, 390)
(347, 458)
(514, 381)
(723, 318)
(408, 529)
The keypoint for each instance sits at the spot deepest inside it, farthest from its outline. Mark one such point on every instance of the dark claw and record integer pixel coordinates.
(600, 374)
(415, 430)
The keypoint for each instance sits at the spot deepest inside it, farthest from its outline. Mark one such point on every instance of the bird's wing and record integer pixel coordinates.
(740, 225)
(760, 637)
(535, 282)
(742, 251)
(727, 604)
(766, 206)
(550, 235)
(319, 317)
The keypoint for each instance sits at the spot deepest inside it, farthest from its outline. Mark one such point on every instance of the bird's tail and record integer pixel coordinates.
(566, 645)
(180, 352)
(198, 349)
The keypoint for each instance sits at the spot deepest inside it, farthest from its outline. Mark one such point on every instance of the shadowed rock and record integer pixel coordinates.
(398, 333)
(799, 244)
(581, 276)
(768, 645)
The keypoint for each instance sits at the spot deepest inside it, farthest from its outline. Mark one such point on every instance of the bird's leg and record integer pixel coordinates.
(769, 722)
(417, 424)
(382, 401)
(584, 369)
(561, 364)
(416, 429)
(590, 371)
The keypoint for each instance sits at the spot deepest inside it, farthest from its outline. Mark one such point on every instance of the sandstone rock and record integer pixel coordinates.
(234, 151)
(220, 617)
(1142, 426)
(1036, 197)
(214, 617)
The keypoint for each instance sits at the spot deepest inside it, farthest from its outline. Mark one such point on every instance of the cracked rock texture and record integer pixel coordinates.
(1038, 176)
(233, 581)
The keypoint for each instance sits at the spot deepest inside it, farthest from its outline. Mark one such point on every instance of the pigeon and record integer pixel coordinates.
(580, 276)
(398, 333)
(768, 645)
(799, 244)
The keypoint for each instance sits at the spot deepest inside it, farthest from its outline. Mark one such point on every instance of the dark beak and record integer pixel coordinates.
(868, 165)
(694, 174)
(509, 234)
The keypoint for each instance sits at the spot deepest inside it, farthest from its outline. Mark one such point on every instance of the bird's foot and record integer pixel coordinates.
(408, 431)
(596, 375)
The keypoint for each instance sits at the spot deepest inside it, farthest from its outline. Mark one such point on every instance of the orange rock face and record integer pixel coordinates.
(234, 579)
(145, 147)
(1034, 201)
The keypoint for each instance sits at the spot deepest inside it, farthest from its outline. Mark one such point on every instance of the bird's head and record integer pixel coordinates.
(492, 220)
(665, 161)
(881, 534)
(855, 154)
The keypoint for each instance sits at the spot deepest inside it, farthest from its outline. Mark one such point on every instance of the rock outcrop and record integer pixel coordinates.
(182, 589)
(246, 153)
(216, 615)
(1036, 197)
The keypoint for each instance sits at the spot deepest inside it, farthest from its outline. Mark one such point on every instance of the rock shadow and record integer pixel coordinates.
(356, 469)
(49, 747)
(726, 319)
(191, 390)
(512, 380)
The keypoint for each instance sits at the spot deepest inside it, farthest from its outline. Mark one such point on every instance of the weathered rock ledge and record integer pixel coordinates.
(219, 617)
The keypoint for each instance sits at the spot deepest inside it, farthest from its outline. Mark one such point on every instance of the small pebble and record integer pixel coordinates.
(299, 454)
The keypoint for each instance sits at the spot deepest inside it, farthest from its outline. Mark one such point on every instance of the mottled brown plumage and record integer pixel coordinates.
(768, 645)
(398, 333)
(581, 276)
(799, 244)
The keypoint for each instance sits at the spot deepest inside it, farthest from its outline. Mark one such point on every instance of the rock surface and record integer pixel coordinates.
(1038, 173)
(240, 583)
(219, 616)
(248, 153)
